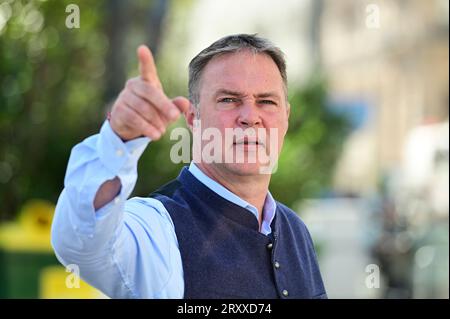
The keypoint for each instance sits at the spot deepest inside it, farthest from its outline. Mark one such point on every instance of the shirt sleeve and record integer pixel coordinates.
(126, 249)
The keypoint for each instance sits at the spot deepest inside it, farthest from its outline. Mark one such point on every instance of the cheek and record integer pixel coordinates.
(280, 122)
(219, 121)
(223, 120)
(285, 124)
(282, 125)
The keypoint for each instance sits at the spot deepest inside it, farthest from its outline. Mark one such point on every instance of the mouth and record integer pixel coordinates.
(247, 141)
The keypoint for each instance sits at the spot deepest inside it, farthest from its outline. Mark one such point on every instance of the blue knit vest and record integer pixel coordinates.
(225, 256)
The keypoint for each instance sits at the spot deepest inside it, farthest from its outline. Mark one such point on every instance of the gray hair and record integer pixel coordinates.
(231, 44)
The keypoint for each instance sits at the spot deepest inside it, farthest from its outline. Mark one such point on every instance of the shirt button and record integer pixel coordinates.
(269, 246)
(116, 200)
(119, 152)
(285, 293)
(277, 265)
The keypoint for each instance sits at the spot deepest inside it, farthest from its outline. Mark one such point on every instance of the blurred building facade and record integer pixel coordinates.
(388, 61)
(391, 57)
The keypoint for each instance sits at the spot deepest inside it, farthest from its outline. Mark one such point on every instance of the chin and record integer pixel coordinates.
(244, 169)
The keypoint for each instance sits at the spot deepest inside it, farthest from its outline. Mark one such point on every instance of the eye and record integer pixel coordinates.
(228, 100)
(267, 102)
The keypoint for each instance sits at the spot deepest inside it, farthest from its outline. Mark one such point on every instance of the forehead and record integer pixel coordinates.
(244, 71)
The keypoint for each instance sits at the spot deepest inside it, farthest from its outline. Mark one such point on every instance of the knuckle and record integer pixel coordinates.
(115, 109)
(148, 88)
(130, 83)
(142, 106)
(121, 108)
(122, 96)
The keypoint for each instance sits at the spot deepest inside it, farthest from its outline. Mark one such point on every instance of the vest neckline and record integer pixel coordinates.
(224, 207)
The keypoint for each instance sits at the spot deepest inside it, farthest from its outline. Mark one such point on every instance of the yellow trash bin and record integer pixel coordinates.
(28, 266)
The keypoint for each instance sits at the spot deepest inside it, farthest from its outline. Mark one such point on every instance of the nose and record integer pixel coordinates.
(249, 115)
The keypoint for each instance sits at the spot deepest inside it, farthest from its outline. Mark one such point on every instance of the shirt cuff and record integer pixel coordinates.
(117, 155)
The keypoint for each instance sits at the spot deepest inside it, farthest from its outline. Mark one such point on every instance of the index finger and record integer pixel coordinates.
(147, 67)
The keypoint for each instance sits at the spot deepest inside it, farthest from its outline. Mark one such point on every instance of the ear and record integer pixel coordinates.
(190, 115)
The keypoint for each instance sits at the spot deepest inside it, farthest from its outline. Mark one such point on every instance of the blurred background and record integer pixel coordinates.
(365, 162)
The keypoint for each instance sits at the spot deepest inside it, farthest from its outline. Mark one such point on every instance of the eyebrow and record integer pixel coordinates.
(240, 94)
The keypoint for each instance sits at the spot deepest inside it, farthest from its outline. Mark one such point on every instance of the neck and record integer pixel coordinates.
(251, 188)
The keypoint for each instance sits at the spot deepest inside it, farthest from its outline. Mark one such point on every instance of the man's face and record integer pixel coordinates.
(245, 91)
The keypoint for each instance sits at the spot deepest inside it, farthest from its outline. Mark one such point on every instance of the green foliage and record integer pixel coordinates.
(50, 92)
(312, 145)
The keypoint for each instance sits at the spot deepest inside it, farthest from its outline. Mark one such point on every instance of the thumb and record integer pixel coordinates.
(181, 103)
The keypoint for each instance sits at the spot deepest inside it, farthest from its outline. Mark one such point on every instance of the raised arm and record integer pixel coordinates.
(117, 243)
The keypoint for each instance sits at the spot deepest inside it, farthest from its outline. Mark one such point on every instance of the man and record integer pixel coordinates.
(215, 231)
